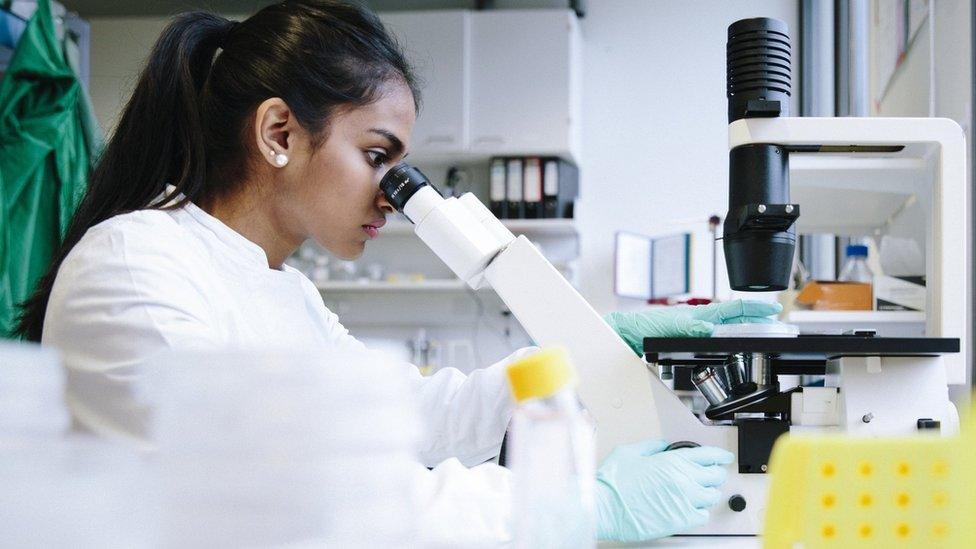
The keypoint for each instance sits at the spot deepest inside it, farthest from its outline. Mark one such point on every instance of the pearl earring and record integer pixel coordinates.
(280, 159)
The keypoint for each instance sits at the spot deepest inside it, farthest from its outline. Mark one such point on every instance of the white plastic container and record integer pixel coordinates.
(551, 453)
(31, 391)
(57, 488)
(284, 449)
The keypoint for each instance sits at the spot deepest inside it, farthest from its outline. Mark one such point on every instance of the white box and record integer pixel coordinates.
(894, 293)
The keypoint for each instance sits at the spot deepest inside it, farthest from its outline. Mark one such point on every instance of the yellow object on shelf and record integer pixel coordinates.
(838, 491)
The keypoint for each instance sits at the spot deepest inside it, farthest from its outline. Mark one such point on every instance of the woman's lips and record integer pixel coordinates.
(373, 227)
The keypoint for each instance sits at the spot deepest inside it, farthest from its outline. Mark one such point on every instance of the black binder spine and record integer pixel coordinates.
(532, 195)
(497, 190)
(560, 181)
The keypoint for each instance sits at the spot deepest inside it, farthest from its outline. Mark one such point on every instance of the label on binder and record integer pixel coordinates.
(533, 180)
(497, 180)
(551, 178)
(514, 180)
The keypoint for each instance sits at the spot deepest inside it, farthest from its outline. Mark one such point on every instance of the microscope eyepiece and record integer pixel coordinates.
(401, 183)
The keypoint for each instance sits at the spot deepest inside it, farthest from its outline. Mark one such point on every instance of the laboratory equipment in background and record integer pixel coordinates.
(551, 455)
(875, 386)
(456, 179)
(425, 353)
(851, 292)
(899, 293)
(856, 267)
(713, 223)
(649, 268)
(836, 491)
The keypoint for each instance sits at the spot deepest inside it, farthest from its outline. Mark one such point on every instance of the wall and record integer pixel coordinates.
(655, 152)
(119, 47)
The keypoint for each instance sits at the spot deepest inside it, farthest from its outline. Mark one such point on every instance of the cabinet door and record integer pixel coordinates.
(435, 44)
(524, 82)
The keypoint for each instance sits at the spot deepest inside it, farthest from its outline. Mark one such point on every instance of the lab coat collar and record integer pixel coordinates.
(240, 248)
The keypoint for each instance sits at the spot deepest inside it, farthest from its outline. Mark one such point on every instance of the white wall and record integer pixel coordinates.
(119, 47)
(911, 89)
(655, 147)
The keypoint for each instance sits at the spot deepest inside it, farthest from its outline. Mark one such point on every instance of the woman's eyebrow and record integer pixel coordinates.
(396, 145)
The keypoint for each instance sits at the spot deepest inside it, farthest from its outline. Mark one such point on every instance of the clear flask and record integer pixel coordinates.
(551, 453)
(856, 267)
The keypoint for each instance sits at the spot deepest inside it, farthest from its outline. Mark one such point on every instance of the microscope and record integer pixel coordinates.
(872, 386)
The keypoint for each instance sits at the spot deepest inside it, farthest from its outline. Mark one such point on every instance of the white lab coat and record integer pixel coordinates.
(154, 280)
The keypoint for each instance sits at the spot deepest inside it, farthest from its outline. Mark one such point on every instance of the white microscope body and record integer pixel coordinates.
(626, 395)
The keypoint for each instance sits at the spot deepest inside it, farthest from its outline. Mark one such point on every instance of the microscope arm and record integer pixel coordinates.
(627, 400)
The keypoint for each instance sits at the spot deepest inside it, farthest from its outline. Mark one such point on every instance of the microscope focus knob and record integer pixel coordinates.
(737, 503)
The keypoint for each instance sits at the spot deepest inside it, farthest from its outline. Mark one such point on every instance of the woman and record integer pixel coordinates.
(240, 141)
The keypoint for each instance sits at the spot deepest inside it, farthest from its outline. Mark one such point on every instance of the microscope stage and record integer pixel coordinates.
(824, 346)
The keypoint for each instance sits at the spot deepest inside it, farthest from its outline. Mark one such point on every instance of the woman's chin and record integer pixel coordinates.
(351, 252)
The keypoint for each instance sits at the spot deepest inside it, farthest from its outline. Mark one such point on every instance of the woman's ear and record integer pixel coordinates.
(274, 127)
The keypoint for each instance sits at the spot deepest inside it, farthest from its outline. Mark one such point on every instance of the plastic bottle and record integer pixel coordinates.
(551, 453)
(856, 267)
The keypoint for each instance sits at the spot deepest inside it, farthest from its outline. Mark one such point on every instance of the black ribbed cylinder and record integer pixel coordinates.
(758, 68)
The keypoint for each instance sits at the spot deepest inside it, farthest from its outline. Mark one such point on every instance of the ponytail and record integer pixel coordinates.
(158, 141)
(184, 124)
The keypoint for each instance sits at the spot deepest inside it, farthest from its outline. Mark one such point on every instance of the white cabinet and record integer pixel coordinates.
(525, 76)
(435, 44)
(496, 82)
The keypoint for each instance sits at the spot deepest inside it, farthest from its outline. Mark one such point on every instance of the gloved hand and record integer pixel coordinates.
(687, 320)
(643, 493)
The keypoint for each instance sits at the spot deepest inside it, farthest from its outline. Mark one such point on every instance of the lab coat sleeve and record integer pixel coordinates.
(464, 416)
(120, 297)
(465, 507)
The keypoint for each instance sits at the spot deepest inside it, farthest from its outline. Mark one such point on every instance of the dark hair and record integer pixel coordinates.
(186, 120)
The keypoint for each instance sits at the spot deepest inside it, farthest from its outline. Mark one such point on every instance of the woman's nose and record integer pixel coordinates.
(384, 204)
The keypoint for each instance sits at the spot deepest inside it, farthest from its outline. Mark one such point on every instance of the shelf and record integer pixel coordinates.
(528, 227)
(874, 317)
(430, 285)
(855, 195)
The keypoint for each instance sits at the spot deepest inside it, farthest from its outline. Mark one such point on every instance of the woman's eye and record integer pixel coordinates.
(376, 158)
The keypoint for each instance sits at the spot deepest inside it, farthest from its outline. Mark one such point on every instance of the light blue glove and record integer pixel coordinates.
(687, 320)
(643, 493)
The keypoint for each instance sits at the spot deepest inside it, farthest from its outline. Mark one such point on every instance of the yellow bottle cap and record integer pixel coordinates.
(541, 374)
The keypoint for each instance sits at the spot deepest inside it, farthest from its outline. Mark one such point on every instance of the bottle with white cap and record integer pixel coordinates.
(551, 453)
